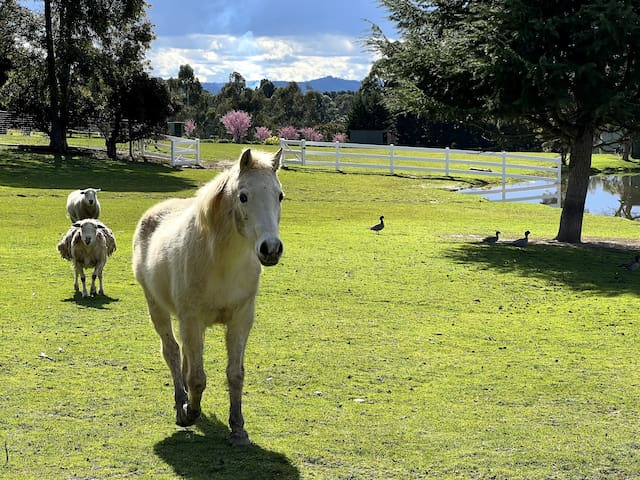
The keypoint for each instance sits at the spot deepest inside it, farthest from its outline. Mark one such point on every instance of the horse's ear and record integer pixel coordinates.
(245, 159)
(276, 161)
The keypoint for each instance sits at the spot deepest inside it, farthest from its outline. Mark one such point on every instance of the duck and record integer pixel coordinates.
(491, 239)
(378, 226)
(522, 242)
(633, 265)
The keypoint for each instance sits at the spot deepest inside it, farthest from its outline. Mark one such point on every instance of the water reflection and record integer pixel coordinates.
(612, 195)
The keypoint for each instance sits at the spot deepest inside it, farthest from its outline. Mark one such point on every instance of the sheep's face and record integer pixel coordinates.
(90, 195)
(88, 232)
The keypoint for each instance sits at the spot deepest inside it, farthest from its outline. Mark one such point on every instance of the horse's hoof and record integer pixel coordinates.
(238, 439)
(185, 416)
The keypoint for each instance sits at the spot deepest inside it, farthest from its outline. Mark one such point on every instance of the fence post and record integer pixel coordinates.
(391, 154)
(337, 156)
(559, 167)
(446, 162)
(303, 152)
(173, 153)
(197, 151)
(504, 169)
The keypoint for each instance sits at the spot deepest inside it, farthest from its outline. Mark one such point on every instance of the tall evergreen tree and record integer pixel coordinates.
(569, 68)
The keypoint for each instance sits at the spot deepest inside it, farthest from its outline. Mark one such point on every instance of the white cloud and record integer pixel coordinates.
(214, 57)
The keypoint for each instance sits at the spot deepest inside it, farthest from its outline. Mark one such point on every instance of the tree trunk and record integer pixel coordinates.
(570, 230)
(57, 140)
(112, 151)
(626, 149)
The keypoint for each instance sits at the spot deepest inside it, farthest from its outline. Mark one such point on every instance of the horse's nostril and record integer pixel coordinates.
(267, 250)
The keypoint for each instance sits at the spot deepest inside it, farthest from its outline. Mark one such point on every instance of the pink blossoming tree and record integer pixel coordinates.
(262, 133)
(311, 134)
(288, 133)
(236, 123)
(189, 127)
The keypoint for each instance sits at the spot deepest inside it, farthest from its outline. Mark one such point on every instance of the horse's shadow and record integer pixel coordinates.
(207, 454)
(97, 301)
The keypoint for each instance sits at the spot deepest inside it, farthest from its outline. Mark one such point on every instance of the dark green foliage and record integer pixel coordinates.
(569, 68)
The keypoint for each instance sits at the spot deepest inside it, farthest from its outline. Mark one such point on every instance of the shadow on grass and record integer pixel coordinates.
(584, 267)
(45, 170)
(98, 301)
(207, 454)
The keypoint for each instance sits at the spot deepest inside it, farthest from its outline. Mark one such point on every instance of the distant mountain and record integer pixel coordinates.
(324, 84)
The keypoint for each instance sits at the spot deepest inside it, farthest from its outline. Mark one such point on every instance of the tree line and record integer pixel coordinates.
(81, 61)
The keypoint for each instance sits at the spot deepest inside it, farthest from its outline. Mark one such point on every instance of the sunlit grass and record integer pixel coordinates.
(416, 353)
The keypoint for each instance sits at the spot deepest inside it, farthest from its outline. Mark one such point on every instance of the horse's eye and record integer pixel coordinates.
(281, 197)
(243, 197)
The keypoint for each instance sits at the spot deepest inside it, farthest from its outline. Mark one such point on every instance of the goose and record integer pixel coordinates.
(633, 265)
(378, 226)
(522, 242)
(491, 239)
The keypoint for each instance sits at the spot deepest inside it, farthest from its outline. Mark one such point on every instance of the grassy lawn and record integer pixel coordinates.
(416, 353)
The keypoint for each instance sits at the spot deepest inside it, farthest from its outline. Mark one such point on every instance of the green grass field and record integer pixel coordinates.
(417, 353)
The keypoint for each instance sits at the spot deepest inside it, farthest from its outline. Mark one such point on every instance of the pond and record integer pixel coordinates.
(612, 195)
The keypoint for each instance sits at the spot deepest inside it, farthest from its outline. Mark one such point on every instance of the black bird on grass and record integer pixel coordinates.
(633, 265)
(522, 242)
(491, 239)
(378, 226)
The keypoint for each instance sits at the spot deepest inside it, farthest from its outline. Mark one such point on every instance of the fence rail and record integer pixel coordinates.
(444, 161)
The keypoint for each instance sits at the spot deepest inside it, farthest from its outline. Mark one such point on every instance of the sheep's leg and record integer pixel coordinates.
(192, 334)
(236, 339)
(93, 283)
(97, 273)
(80, 272)
(171, 352)
(75, 283)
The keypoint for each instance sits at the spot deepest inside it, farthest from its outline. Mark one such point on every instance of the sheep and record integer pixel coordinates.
(87, 244)
(83, 204)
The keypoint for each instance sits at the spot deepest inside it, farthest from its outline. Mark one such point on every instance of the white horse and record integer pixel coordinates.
(200, 259)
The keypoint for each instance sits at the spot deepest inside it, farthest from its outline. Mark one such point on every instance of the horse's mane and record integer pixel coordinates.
(214, 201)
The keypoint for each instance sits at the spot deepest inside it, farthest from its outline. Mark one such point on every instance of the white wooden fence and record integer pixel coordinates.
(178, 151)
(445, 161)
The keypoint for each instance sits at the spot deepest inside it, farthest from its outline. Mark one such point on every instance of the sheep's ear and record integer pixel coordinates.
(98, 190)
(82, 192)
(276, 160)
(245, 159)
(77, 224)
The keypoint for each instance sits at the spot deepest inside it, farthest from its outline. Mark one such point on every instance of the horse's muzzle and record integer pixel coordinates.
(270, 251)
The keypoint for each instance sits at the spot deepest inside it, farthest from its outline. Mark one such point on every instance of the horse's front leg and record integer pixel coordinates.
(192, 334)
(237, 334)
(171, 352)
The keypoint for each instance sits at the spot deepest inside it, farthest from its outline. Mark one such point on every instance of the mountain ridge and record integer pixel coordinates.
(323, 84)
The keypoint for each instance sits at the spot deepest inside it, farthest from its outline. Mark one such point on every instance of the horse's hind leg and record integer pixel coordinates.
(171, 353)
(192, 334)
(236, 338)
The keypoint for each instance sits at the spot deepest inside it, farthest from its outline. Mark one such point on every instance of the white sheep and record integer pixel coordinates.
(83, 204)
(87, 244)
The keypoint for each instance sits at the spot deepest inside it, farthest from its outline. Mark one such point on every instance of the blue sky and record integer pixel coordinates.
(278, 39)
